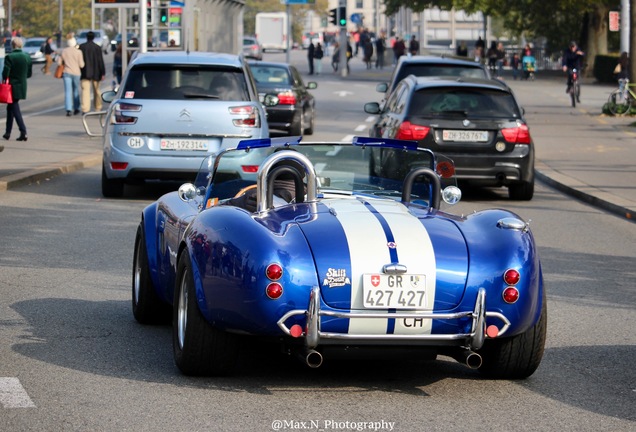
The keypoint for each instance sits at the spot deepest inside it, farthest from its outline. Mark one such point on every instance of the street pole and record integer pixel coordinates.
(625, 25)
(343, 40)
(289, 47)
(61, 21)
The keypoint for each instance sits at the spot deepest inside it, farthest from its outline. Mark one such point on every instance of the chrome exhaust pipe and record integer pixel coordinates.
(313, 359)
(469, 358)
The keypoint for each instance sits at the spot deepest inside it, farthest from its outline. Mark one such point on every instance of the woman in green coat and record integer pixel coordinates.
(17, 67)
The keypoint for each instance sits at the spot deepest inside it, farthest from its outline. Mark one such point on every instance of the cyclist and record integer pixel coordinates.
(572, 59)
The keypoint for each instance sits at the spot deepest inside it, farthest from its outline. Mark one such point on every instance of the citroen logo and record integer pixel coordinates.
(184, 114)
(466, 122)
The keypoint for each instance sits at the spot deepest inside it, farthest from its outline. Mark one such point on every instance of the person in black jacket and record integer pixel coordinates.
(48, 51)
(93, 73)
(17, 68)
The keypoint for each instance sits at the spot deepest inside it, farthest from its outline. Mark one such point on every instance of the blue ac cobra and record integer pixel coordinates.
(329, 248)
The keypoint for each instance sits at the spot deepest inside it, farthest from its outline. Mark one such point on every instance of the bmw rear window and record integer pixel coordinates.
(434, 70)
(467, 102)
(181, 82)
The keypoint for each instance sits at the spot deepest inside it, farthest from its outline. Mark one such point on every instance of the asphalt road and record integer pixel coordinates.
(74, 359)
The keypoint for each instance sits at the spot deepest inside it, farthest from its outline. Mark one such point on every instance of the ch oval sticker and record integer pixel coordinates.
(135, 142)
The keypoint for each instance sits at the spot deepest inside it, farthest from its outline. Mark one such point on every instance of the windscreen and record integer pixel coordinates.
(340, 169)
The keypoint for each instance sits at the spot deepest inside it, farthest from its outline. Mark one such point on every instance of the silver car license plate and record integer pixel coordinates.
(382, 291)
(465, 136)
(184, 144)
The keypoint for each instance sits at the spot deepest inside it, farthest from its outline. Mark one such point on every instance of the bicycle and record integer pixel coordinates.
(575, 87)
(620, 100)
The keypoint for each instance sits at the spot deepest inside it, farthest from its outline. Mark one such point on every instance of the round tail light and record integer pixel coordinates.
(274, 290)
(511, 295)
(511, 277)
(274, 272)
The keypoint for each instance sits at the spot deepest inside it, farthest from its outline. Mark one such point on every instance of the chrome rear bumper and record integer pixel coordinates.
(473, 340)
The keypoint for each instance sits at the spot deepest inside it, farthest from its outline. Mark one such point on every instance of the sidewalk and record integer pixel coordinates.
(578, 150)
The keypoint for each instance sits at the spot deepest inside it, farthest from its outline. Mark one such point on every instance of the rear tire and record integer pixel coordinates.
(573, 95)
(111, 188)
(146, 305)
(521, 191)
(199, 348)
(296, 128)
(310, 128)
(516, 357)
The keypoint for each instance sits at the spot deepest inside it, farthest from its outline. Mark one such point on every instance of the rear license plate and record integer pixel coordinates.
(465, 136)
(404, 291)
(184, 144)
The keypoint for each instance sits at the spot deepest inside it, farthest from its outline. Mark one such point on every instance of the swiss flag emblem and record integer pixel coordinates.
(375, 280)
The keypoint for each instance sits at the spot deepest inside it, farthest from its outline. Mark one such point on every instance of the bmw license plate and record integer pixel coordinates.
(184, 144)
(382, 291)
(465, 136)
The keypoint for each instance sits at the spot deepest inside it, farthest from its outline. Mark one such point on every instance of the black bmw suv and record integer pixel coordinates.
(476, 122)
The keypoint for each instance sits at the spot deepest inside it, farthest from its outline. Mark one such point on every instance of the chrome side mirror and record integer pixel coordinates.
(188, 192)
(451, 195)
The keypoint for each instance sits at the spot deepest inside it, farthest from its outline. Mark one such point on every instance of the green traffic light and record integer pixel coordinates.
(343, 22)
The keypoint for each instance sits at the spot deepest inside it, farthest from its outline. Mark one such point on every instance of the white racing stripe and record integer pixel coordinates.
(369, 252)
(415, 251)
(13, 395)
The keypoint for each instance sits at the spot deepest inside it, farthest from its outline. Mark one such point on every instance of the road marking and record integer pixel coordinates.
(370, 119)
(348, 138)
(343, 93)
(360, 128)
(13, 395)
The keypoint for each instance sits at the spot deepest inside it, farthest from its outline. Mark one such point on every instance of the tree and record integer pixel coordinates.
(559, 20)
(41, 18)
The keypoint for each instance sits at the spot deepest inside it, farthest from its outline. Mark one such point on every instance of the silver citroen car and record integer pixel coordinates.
(172, 110)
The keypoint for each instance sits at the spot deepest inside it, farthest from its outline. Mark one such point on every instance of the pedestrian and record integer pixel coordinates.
(318, 55)
(118, 64)
(48, 51)
(501, 57)
(310, 57)
(621, 71)
(335, 57)
(399, 48)
(462, 50)
(17, 68)
(367, 52)
(93, 73)
(515, 63)
(480, 48)
(414, 46)
(73, 61)
(492, 58)
(380, 47)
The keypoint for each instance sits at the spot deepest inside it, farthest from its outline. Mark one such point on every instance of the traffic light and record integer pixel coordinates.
(163, 15)
(342, 16)
(333, 16)
(149, 12)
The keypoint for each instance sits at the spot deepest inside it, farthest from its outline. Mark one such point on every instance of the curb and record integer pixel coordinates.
(45, 172)
(595, 197)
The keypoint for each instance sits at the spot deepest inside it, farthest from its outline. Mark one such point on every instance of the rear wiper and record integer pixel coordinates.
(200, 95)
(451, 112)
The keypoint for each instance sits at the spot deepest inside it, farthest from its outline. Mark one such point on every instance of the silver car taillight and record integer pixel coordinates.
(249, 116)
(118, 117)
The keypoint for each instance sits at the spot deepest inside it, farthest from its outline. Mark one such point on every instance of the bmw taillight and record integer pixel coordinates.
(249, 116)
(411, 131)
(286, 98)
(118, 117)
(517, 135)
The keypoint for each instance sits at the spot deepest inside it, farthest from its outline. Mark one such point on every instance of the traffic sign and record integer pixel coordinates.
(614, 21)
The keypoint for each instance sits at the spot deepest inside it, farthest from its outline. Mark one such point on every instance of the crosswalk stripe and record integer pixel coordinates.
(13, 395)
